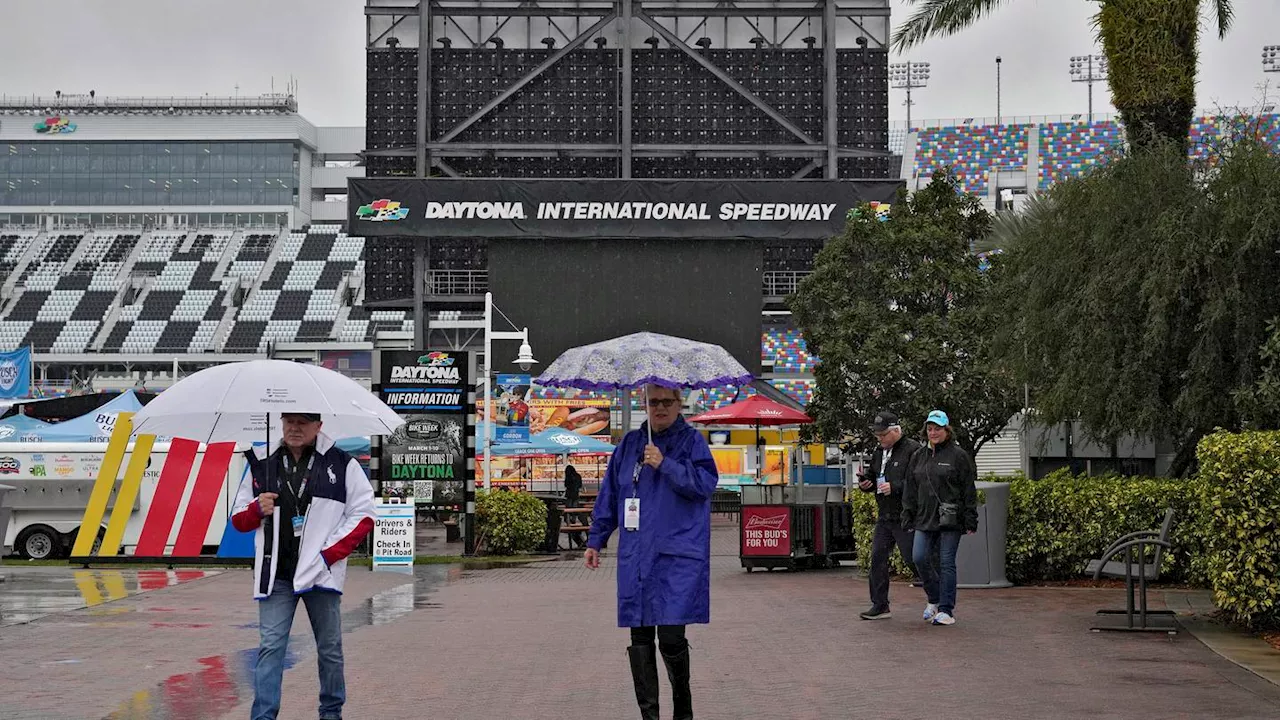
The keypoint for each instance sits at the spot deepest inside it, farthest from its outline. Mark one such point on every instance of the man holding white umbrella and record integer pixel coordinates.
(311, 505)
(308, 503)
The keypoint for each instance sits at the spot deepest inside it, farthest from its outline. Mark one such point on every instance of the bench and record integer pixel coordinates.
(1134, 548)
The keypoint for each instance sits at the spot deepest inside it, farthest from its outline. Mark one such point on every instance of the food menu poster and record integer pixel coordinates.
(425, 458)
(583, 416)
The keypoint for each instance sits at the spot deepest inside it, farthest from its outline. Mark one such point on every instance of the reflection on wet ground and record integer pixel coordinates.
(227, 680)
(33, 593)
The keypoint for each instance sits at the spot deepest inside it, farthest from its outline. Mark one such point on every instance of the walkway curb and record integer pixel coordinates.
(1250, 653)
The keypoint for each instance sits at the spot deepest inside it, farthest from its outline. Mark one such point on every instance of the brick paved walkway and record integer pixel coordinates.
(540, 642)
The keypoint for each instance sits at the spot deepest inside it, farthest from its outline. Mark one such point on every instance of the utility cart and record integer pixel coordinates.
(794, 527)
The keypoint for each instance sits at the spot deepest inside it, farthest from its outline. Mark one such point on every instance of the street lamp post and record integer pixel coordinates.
(999, 109)
(909, 76)
(1271, 58)
(1089, 69)
(524, 360)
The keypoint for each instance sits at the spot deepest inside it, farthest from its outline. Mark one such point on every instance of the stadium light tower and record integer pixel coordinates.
(1089, 69)
(909, 76)
(1271, 58)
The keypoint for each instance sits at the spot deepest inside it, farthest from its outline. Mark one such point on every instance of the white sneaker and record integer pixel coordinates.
(943, 619)
(930, 611)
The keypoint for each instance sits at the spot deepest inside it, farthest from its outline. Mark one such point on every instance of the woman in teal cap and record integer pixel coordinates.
(940, 502)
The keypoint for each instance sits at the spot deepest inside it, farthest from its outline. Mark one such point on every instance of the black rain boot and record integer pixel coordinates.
(644, 672)
(678, 673)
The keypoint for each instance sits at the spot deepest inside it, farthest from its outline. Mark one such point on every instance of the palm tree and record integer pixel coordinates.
(1151, 48)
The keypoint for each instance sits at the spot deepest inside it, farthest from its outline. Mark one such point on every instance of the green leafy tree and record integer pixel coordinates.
(1260, 405)
(1136, 298)
(1151, 48)
(898, 312)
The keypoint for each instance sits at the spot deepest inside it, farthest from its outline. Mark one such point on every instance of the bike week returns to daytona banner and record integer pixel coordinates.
(609, 208)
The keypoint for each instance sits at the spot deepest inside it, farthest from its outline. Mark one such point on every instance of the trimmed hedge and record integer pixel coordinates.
(1225, 535)
(1059, 523)
(1242, 476)
(510, 522)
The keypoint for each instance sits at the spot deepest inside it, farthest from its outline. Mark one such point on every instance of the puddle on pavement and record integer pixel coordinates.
(226, 681)
(30, 594)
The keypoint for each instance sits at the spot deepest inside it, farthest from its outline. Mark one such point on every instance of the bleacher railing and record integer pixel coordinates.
(277, 103)
(780, 283)
(458, 282)
(1082, 118)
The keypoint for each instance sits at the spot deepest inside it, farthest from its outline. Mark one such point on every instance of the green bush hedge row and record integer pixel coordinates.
(1059, 523)
(1225, 535)
(1242, 507)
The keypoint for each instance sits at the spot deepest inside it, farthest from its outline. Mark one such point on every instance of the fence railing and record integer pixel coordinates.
(780, 283)
(458, 282)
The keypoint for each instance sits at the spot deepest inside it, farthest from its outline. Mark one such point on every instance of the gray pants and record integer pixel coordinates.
(887, 533)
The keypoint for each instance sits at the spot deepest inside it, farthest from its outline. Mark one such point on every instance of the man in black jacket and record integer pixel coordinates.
(886, 477)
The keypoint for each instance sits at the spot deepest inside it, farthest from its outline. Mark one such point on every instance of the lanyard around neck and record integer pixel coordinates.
(306, 476)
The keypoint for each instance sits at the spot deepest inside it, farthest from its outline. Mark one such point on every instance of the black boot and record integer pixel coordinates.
(644, 672)
(678, 672)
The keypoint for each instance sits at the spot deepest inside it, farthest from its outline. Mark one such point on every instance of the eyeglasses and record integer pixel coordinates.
(662, 402)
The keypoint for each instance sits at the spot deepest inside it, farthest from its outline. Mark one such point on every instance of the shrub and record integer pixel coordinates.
(510, 522)
(865, 513)
(1057, 524)
(1242, 475)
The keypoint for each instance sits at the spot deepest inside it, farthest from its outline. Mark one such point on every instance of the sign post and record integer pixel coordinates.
(393, 537)
(425, 461)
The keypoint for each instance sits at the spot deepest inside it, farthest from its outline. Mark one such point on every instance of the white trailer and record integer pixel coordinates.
(53, 482)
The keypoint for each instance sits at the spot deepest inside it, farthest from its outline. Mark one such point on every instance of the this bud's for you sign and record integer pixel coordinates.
(766, 531)
(393, 537)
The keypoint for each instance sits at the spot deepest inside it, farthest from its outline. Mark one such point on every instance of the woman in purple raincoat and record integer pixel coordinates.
(658, 497)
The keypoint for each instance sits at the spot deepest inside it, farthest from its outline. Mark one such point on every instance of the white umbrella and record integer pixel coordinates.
(231, 403)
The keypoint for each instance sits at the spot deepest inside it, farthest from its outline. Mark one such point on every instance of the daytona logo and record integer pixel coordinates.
(410, 372)
(773, 522)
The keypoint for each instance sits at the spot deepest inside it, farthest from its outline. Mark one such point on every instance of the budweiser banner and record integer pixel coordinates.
(488, 208)
(766, 530)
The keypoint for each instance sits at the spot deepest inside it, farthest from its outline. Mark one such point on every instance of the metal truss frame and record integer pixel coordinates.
(822, 153)
(431, 155)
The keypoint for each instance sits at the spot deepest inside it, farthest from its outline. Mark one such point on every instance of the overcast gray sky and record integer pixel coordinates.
(193, 47)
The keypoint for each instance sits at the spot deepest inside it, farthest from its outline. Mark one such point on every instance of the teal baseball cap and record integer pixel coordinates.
(939, 418)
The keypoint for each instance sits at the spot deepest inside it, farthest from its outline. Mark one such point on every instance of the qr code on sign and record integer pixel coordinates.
(423, 491)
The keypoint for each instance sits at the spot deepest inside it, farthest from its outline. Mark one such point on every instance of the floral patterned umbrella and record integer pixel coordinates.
(642, 359)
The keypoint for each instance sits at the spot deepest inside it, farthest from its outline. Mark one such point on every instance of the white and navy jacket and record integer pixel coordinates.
(341, 514)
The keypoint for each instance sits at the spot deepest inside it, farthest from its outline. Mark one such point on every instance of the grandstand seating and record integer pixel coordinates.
(175, 291)
(974, 151)
(1070, 149)
(784, 350)
(1065, 149)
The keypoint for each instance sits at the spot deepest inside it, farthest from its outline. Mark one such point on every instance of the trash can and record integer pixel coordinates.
(980, 560)
(5, 514)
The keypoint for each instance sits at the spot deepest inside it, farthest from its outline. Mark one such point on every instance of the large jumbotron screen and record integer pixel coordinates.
(574, 292)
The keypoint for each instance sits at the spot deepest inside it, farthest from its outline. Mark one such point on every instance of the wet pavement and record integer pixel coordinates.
(32, 593)
(540, 642)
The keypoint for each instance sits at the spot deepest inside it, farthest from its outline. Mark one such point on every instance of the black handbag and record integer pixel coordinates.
(948, 512)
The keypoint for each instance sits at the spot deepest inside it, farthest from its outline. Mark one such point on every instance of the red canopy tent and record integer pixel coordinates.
(756, 410)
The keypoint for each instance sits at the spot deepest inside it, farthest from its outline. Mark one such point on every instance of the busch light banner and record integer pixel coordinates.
(593, 209)
(424, 461)
(15, 374)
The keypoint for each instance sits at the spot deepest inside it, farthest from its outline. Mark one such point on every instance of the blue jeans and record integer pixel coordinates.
(275, 619)
(934, 554)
